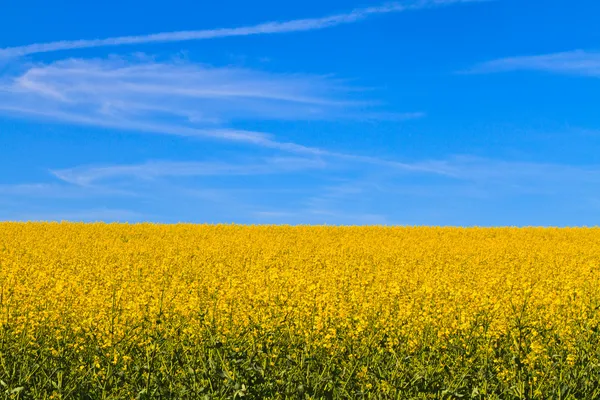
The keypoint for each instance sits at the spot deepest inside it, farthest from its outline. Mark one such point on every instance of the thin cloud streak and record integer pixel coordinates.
(86, 176)
(577, 62)
(458, 168)
(93, 215)
(61, 191)
(299, 25)
(480, 181)
(90, 175)
(183, 99)
(190, 94)
(260, 139)
(156, 128)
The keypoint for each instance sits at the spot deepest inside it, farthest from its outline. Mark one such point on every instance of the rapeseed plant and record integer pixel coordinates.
(91, 311)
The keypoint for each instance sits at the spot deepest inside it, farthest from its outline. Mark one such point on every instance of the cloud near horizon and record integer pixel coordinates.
(336, 189)
(456, 168)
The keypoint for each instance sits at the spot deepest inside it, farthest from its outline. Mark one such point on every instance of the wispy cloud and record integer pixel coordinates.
(338, 192)
(298, 25)
(532, 174)
(578, 62)
(88, 175)
(319, 217)
(482, 174)
(91, 215)
(61, 190)
(463, 176)
(200, 95)
(183, 99)
(25, 189)
(468, 173)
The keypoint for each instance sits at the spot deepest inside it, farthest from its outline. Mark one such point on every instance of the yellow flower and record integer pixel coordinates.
(113, 293)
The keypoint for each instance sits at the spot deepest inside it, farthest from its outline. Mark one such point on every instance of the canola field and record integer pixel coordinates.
(117, 311)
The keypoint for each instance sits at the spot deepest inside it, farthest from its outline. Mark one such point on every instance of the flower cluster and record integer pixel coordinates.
(186, 311)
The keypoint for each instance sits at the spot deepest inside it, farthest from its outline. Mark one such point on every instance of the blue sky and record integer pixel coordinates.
(431, 112)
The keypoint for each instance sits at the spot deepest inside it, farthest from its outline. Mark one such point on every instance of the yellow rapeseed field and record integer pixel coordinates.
(116, 311)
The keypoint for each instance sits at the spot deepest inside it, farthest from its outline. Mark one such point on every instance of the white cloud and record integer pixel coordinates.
(495, 171)
(181, 98)
(338, 192)
(271, 215)
(60, 191)
(88, 175)
(486, 174)
(91, 215)
(319, 217)
(298, 25)
(578, 62)
(25, 189)
(176, 91)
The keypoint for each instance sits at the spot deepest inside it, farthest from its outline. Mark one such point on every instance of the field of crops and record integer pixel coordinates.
(110, 311)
